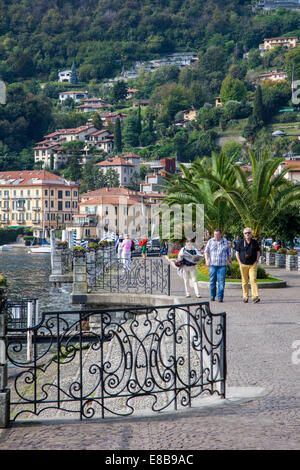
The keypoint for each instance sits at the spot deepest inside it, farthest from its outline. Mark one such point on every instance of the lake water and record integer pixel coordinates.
(28, 277)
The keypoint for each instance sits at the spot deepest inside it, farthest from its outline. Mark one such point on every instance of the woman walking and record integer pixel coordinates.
(190, 257)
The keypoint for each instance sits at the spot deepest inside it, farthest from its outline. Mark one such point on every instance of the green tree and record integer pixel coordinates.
(74, 75)
(119, 91)
(232, 89)
(118, 136)
(130, 131)
(112, 178)
(258, 107)
(97, 121)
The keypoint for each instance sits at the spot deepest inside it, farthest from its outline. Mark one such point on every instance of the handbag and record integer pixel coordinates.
(179, 264)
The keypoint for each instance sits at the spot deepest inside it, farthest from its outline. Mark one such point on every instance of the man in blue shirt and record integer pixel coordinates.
(217, 256)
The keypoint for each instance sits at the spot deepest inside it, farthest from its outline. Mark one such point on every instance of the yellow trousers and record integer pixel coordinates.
(249, 272)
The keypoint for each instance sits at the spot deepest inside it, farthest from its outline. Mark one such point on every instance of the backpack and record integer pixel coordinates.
(132, 245)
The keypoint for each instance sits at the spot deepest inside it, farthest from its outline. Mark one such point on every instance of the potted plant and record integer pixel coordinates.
(291, 260)
(280, 258)
(270, 256)
(92, 246)
(61, 245)
(79, 251)
(3, 281)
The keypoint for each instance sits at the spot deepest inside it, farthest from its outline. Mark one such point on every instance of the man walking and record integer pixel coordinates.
(217, 256)
(247, 254)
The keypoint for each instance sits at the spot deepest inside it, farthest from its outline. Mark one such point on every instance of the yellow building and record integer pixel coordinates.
(37, 199)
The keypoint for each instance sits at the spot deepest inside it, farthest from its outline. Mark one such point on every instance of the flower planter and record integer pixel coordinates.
(280, 260)
(270, 258)
(291, 262)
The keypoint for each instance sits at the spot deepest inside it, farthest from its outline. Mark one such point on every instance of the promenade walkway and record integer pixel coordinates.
(260, 341)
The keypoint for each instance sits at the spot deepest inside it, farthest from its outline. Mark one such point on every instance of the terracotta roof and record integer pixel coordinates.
(293, 165)
(34, 177)
(115, 162)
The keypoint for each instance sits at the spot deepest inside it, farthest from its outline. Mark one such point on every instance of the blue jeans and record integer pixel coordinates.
(217, 273)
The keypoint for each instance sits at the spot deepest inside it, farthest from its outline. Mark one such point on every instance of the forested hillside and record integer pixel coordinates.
(40, 37)
(37, 37)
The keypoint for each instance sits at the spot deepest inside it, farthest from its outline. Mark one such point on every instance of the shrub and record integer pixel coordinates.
(292, 252)
(282, 251)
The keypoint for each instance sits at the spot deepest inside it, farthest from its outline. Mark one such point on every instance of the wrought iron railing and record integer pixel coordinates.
(108, 273)
(118, 362)
(21, 312)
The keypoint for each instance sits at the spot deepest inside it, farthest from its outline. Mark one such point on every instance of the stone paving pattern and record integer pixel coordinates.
(259, 353)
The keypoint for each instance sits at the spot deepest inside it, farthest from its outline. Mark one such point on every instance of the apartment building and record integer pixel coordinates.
(51, 148)
(92, 105)
(37, 199)
(116, 209)
(274, 76)
(287, 42)
(124, 169)
(74, 95)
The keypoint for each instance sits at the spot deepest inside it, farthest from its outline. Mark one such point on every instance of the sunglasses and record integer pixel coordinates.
(247, 233)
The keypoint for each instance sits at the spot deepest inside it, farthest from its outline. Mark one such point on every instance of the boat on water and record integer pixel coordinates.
(5, 248)
(40, 249)
(45, 247)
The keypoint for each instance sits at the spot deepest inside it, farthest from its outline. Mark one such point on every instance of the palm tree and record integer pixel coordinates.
(258, 199)
(193, 187)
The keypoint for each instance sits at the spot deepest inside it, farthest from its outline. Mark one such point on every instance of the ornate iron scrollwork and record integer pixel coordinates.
(128, 361)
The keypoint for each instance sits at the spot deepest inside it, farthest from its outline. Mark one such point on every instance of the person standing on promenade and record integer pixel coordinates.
(217, 256)
(143, 245)
(247, 254)
(126, 252)
(164, 249)
(190, 257)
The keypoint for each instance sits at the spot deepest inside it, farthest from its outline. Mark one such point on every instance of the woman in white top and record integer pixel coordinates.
(190, 256)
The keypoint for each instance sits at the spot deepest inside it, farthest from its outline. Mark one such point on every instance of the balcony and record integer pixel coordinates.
(36, 222)
(5, 209)
(20, 208)
(4, 222)
(36, 208)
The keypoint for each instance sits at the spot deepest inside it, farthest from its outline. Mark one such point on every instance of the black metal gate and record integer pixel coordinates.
(117, 362)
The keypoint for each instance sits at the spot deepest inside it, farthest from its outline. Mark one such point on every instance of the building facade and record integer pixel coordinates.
(37, 199)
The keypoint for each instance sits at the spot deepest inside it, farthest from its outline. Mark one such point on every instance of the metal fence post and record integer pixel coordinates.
(4, 391)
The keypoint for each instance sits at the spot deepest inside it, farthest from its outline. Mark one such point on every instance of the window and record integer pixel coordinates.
(74, 205)
(60, 194)
(106, 211)
(46, 192)
(46, 204)
(60, 206)
(67, 204)
(52, 192)
(67, 193)
(52, 204)
(116, 210)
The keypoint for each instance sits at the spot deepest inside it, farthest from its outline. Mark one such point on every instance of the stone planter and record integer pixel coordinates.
(270, 258)
(291, 262)
(280, 260)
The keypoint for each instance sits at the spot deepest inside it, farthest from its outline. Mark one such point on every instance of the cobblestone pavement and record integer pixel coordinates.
(260, 341)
